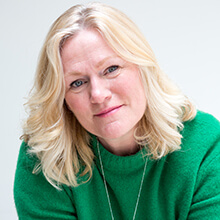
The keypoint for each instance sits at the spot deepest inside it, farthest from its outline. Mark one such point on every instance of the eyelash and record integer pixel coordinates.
(77, 81)
(108, 69)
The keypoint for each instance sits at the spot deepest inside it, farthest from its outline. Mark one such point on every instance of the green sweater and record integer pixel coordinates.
(183, 185)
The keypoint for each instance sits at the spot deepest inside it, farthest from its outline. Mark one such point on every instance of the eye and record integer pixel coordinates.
(77, 83)
(111, 69)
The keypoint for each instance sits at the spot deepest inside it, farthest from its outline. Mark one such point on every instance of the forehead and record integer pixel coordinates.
(86, 46)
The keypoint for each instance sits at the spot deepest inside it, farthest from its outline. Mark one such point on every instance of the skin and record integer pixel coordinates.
(104, 92)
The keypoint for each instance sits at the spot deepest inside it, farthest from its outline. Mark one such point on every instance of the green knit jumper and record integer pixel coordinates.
(183, 185)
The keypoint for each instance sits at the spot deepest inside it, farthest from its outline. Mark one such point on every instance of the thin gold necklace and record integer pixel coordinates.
(106, 188)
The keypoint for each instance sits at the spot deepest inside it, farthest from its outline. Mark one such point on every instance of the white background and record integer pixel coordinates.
(185, 36)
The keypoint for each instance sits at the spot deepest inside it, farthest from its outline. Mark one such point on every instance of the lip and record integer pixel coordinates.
(108, 111)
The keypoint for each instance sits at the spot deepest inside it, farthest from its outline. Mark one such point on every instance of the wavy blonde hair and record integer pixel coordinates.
(52, 131)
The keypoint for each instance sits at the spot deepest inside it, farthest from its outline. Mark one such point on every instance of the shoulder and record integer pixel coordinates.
(32, 191)
(200, 148)
(26, 159)
(201, 154)
(200, 142)
(201, 132)
(204, 123)
(25, 180)
(192, 171)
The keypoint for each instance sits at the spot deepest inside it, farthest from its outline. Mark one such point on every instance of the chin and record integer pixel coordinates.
(116, 130)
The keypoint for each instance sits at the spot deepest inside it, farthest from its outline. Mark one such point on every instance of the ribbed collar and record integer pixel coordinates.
(114, 162)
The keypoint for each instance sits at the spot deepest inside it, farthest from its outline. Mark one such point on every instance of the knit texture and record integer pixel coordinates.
(182, 185)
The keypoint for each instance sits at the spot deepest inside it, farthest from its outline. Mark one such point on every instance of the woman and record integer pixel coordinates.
(108, 135)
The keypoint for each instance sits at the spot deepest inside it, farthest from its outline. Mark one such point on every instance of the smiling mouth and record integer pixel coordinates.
(108, 111)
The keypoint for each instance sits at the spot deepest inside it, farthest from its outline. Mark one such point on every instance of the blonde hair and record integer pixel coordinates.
(52, 131)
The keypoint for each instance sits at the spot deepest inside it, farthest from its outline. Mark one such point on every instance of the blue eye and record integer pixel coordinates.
(76, 83)
(112, 69)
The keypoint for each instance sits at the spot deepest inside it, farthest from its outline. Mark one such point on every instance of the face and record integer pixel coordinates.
(104, 92)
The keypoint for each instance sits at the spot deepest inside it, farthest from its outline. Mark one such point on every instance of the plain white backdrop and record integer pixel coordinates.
(183, 34)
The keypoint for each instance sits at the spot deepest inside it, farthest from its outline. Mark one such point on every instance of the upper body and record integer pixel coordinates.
(181, 185)
(150, 157)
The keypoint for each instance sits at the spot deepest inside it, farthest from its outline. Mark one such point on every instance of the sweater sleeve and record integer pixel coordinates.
(206, 199)
(34, 197)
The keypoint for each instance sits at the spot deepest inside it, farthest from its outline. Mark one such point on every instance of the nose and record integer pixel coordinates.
(99, 91)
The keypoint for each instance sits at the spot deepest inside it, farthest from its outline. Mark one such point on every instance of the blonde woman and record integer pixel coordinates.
(108, 135)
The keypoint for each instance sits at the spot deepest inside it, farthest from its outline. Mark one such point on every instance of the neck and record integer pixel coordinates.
(120, 147)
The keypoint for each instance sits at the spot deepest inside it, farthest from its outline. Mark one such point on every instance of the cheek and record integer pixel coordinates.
(133, 85)
(137, 94)
(75, 104)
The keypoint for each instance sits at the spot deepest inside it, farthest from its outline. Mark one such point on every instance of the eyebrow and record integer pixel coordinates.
(100, 63)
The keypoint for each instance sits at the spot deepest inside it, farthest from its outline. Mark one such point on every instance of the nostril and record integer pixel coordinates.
(100, 95)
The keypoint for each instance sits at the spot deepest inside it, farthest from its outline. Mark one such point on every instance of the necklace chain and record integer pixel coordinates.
(106, 188)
